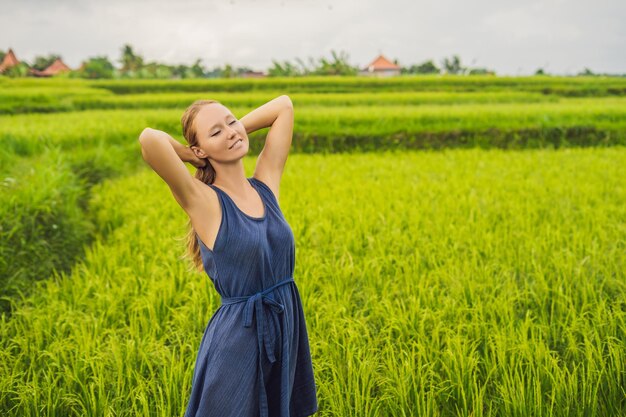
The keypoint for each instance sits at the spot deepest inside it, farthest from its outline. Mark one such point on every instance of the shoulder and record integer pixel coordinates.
(266, 184)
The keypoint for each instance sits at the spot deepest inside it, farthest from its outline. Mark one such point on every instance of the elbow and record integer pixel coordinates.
(287, 100)
(144, 134)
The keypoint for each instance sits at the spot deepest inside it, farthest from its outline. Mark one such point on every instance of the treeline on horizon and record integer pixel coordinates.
(135, 66)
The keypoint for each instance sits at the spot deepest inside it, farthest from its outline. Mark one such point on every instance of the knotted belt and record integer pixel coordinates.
(266, 334)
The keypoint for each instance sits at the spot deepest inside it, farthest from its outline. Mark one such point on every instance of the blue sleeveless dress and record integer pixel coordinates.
(254, 359)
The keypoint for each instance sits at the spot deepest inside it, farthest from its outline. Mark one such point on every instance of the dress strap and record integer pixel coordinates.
(221, 194)
(266, 190)
(213, 186)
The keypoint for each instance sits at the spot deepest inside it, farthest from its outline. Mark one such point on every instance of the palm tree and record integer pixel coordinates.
(131, 63)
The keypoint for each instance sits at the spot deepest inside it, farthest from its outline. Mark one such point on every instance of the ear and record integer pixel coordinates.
(198, 152)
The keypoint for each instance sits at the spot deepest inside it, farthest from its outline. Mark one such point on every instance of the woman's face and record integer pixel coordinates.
(221, 136)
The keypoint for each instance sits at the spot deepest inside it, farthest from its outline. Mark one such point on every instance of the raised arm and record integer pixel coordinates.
(167, 158)
(278, 114)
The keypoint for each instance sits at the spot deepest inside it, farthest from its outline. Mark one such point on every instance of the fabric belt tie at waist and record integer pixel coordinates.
(256, 301)
(266, 333)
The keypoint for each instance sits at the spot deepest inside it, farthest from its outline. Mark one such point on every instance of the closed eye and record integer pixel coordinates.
(220, 130)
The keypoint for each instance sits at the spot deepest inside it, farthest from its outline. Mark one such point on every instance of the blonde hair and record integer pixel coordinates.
(205, 174)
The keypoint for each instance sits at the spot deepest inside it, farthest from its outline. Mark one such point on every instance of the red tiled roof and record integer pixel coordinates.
(9, 61)
(381, 63)
(56, 67)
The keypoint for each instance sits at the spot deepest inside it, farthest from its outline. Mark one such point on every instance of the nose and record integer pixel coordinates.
(233, 132)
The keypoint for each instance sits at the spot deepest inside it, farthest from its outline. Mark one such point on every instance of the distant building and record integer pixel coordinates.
(252, 74)
(380, 67)
(9, 61)
(55, 68)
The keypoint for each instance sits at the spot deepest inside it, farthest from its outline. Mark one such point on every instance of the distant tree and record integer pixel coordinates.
(42, 62)
(96, 67)
(242, 70)
(481, 71)
(306, 69)
(154, 70)
(228, 71)
(131, 63)
(180, 71)
(286, 69)
(539, 71)
(184, 71)
(216, 72)
(427, 67)
(163, 71)
(586, 72)
(453, 66)
(2, 54)
(339, 65)
(19, 70)
(197, 70)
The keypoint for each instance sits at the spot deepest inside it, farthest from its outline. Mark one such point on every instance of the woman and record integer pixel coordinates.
(254, 357)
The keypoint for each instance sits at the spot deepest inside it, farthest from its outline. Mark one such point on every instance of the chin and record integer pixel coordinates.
(244, 152)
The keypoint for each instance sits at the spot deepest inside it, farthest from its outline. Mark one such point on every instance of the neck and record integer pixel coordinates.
(231, 176)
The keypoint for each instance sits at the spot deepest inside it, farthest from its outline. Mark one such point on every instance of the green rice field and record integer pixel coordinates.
(460, 245)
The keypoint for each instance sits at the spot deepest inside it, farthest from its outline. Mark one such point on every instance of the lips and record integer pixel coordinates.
(231, 146)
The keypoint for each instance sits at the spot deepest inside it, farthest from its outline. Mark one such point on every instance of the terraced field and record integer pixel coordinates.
(460, 245)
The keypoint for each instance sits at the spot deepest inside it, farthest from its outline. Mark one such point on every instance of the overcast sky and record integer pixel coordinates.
(510, 37)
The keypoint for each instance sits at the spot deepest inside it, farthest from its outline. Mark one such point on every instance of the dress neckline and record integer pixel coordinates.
(258, 219)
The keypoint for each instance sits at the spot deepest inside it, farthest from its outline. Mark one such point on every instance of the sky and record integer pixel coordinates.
(510, 37)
